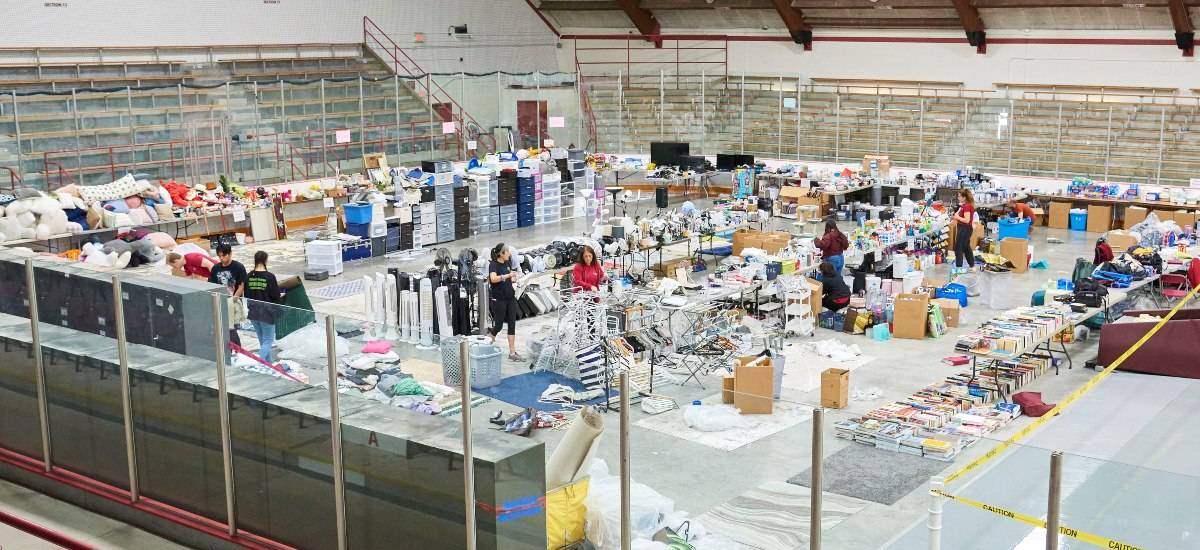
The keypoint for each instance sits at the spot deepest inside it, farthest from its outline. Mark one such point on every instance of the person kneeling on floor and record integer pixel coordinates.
(835, 293)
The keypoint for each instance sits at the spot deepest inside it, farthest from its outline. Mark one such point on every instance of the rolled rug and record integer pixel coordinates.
(576, 447)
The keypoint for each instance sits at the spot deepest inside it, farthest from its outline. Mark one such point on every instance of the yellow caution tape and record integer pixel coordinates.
(1090, 538)
(995, 451)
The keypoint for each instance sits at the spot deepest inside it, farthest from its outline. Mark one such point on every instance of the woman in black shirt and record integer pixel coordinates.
(835, 295)
(503, 297)
(262, 291)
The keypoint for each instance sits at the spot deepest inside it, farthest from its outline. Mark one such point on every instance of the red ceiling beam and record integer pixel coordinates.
(800, 30)
(972, 24)
(642, 19)
(1185, 32)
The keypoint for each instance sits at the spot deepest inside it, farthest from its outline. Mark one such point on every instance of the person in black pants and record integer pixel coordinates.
(503, 297)
(963, 219)
(835, 294)
(232, 275)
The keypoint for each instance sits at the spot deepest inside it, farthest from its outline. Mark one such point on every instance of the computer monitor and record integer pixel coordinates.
(668, 153)
(691, 162)
(731, 161)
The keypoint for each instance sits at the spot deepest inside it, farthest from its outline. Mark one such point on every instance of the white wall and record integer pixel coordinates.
(507, 35)
(1121, 65)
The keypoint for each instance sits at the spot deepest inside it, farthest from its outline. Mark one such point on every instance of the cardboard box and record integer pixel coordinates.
(933, 285)
(799, 195)
(835, 388)
(1017, 252)
(727, 389)
(1060, 215)
(1185, 218)
(883, 165)
(1099, 218)
(754, 386)
(976, 235)
(951, 311)
(771, 241)
(667, 267)
(1121, 241)
(1134, 215)
(852, 318)
(910, 315)
(1039, 216)
(815, 300)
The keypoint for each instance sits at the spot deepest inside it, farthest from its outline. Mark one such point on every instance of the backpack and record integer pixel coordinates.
(1083, 270)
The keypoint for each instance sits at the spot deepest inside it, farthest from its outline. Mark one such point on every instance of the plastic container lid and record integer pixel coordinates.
(696, 402)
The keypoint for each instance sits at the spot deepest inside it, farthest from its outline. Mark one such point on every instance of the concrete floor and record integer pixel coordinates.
(699, 477)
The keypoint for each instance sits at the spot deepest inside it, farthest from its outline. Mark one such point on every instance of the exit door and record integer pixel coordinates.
(531, 123)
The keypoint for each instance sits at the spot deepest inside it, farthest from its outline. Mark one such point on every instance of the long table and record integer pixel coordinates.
(1046, 343)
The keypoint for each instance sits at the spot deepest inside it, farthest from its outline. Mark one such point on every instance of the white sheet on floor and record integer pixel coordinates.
(786, 415)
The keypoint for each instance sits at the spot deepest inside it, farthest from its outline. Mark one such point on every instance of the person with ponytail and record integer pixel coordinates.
(503, 297)
(964, 218)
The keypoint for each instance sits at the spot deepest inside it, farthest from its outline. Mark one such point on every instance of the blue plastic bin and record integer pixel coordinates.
(1011, 227)
(357, 213)
(953, 291)
(1078, 219)
(361, 230)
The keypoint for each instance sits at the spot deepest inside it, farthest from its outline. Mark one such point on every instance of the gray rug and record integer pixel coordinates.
(873, 474)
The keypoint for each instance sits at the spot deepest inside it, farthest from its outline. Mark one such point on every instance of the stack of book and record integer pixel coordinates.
(1015, 331)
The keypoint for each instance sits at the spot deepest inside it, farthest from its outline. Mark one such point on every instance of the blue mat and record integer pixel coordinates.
(524, 390)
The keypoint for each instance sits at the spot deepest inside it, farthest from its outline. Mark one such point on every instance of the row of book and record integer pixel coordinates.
(941, 419)
(1015, 331)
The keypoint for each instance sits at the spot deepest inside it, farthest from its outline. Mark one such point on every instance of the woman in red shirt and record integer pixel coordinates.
(194, 265)
(963, 219)
(832, 244)
(587, 273)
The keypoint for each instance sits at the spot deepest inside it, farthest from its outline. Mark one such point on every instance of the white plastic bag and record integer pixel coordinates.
(714, 418)
(647, 508)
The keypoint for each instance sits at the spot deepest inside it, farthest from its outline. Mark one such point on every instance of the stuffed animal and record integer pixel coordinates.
(145, 252)
(93, 253)
(36, 217)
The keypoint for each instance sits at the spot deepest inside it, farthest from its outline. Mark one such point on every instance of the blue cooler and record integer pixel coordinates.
(1078, 219)
(1017, 229)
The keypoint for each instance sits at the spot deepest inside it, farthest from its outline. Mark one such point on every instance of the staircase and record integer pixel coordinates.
(466, 128)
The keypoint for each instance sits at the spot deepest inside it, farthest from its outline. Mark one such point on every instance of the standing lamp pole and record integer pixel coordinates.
(815, 495)
(464, 358)
(1054, 502)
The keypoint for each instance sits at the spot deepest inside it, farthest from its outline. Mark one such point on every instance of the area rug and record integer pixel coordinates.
(786, 415)
(524, 390)
(873, 474)
(775, 516)
(339, 290)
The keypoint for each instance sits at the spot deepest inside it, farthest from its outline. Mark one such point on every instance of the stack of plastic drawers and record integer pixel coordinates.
(508, 199)
(462, 213)
(324, 256)
(408, 228)
(428, 226)
(525, 197)
(548, 207)
(444, 206)
(391, 242)
(485, 212)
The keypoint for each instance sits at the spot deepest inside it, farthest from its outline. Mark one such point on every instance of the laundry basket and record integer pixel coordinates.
(485, 366)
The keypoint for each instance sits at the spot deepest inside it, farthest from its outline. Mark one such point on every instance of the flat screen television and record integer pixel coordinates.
(668, 153)
(729, 162)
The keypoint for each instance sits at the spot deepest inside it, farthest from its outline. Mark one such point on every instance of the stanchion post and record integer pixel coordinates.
(39, 367)
(126, 403)
(936, 501)
(815, 495)
(335, 434)
(220, 331)
(464, 359)
(1054, 502)
(626, 527)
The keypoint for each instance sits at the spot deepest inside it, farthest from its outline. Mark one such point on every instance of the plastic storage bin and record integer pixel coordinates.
(360, 230)
(1078, 219)
(357, 213)
(1011, 227)
(485, 363)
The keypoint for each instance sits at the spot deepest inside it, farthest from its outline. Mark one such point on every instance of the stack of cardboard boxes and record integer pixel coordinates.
(771, 241)
(799, 196)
